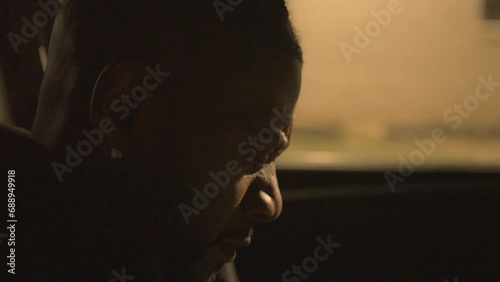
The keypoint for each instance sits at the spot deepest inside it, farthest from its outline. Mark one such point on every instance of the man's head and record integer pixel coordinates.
(196, 109)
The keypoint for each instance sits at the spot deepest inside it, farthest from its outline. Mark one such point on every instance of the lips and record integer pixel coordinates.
(239, 237)
(233, 240)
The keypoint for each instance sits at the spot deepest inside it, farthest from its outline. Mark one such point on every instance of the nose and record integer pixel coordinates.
(262, 201)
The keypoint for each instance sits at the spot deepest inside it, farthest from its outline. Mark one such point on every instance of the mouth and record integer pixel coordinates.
(230, 242)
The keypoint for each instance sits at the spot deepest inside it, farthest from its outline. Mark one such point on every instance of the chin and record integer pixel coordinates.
(212, 278)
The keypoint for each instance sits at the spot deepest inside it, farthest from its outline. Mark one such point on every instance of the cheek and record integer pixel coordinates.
(230, 197)
(240, 189)
(221, 210)
(205, 152)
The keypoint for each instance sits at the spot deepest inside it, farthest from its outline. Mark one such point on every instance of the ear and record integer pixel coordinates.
(111, 97)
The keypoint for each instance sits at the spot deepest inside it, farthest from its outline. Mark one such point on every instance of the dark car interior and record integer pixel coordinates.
(440, 223)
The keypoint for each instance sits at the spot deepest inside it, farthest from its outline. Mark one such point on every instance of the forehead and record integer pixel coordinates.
(237, 94)
(274, 83)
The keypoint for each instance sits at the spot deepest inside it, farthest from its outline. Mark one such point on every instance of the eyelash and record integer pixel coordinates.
(256, 166)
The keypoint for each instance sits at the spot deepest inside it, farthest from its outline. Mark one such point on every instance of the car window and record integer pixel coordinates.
(391, 81)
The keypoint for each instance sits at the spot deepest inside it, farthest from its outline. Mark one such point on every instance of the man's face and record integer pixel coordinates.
(221, 153)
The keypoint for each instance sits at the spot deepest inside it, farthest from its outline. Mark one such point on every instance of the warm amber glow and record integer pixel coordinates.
(426, 59)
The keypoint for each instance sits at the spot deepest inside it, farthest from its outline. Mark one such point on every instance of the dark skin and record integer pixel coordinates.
(170, 142)
(208, 142)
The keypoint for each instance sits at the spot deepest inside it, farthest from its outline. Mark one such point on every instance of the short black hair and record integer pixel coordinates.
(89, 34)
(114, 28)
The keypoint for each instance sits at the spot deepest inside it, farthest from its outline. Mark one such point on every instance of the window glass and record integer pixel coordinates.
(388, 81)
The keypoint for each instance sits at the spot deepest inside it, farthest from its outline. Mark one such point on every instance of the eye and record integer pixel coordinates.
(276, 153)
(261, 162)
(279, 150)
(257, 164)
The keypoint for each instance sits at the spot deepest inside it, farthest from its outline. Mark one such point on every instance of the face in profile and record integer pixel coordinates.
(196, 172)
(215, 162)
